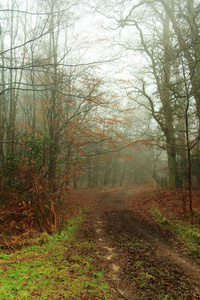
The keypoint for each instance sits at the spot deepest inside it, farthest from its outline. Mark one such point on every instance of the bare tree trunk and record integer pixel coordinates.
(2, 102)
(188, 152)
(192, 52)
(53, 131)
(10, 127)
(122, 176)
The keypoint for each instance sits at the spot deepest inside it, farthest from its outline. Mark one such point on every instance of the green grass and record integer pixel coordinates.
(188, 235)
(61, 268)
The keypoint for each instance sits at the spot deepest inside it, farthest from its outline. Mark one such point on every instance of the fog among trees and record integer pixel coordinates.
(100, 92)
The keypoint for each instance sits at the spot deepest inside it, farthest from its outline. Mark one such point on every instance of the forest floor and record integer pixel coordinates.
(144, 258)
(132, 243)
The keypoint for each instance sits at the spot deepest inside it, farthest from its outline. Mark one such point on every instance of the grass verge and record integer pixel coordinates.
(62, 268)
(189, 236)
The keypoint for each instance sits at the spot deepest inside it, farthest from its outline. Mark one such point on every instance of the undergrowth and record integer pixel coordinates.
(29, 204)
(62, 268)
(190, 236)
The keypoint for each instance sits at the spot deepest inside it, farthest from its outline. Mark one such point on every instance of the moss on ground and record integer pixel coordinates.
(62, 268)
(188, 235)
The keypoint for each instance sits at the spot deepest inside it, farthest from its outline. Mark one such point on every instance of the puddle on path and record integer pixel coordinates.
(109, 252)
(115, 268)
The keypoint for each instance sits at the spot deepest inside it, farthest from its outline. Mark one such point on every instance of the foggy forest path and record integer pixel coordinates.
(143, 262)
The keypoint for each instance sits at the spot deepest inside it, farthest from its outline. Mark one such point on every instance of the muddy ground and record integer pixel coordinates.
(143, 260)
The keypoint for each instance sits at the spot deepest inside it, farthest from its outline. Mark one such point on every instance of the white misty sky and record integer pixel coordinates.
(92, 41)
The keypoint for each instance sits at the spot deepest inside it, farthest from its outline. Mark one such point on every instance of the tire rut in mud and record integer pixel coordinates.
(140, 257)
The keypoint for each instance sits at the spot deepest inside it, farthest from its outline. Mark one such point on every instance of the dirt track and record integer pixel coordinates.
(142, 260)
